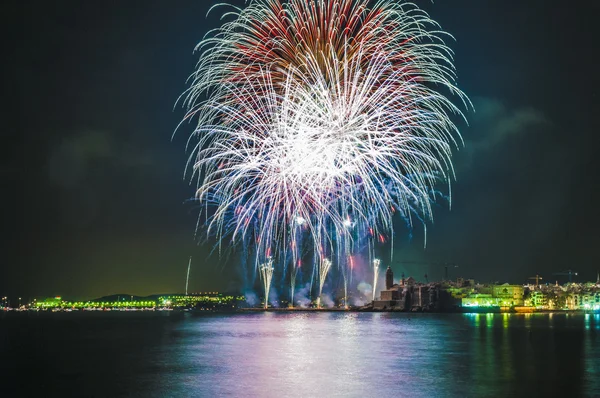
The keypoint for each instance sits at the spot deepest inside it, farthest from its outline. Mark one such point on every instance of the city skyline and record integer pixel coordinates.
(335, 293)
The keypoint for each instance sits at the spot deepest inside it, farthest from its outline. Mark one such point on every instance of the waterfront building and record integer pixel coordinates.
(392, 294)
(536, 299)
(502, 296)
(479, 300)
(508, 295)
(410, 295)
(585, 300)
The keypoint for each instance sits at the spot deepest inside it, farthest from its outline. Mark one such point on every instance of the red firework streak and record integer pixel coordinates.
(283, 35)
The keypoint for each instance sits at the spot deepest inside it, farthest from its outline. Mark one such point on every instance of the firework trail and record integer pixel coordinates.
(376, 269)
(293, 275)
(316, 115)
(266, 273)
(324, 267)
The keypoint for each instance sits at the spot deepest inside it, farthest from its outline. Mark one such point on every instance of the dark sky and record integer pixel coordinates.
(93, 195)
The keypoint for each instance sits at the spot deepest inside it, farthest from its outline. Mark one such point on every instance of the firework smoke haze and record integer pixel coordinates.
(314, 113)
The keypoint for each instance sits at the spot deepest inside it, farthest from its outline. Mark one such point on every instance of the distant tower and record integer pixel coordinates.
(389, 278)
(598, 278)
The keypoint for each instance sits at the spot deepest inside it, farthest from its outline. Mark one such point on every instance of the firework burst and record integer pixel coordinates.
(321, 120)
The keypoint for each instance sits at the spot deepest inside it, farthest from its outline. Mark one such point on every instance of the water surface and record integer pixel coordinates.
(299, 355)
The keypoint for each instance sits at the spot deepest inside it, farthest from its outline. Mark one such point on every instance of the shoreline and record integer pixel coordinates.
(300, 309)
(459, 311)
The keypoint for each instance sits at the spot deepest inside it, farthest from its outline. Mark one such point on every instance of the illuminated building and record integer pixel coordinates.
(409, 295)
(508, 295)
(585, 300)
(537, 299)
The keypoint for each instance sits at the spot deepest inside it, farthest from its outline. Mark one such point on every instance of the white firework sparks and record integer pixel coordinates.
(376, 269)
(318, 113)
(266, 273)
(324, 267)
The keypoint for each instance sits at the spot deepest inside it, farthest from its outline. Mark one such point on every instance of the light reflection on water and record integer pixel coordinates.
(318, 354)
(366, 354)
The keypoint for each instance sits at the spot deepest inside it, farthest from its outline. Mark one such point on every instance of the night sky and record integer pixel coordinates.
(94, 200)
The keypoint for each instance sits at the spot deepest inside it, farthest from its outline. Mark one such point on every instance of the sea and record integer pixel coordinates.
(299, 354)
